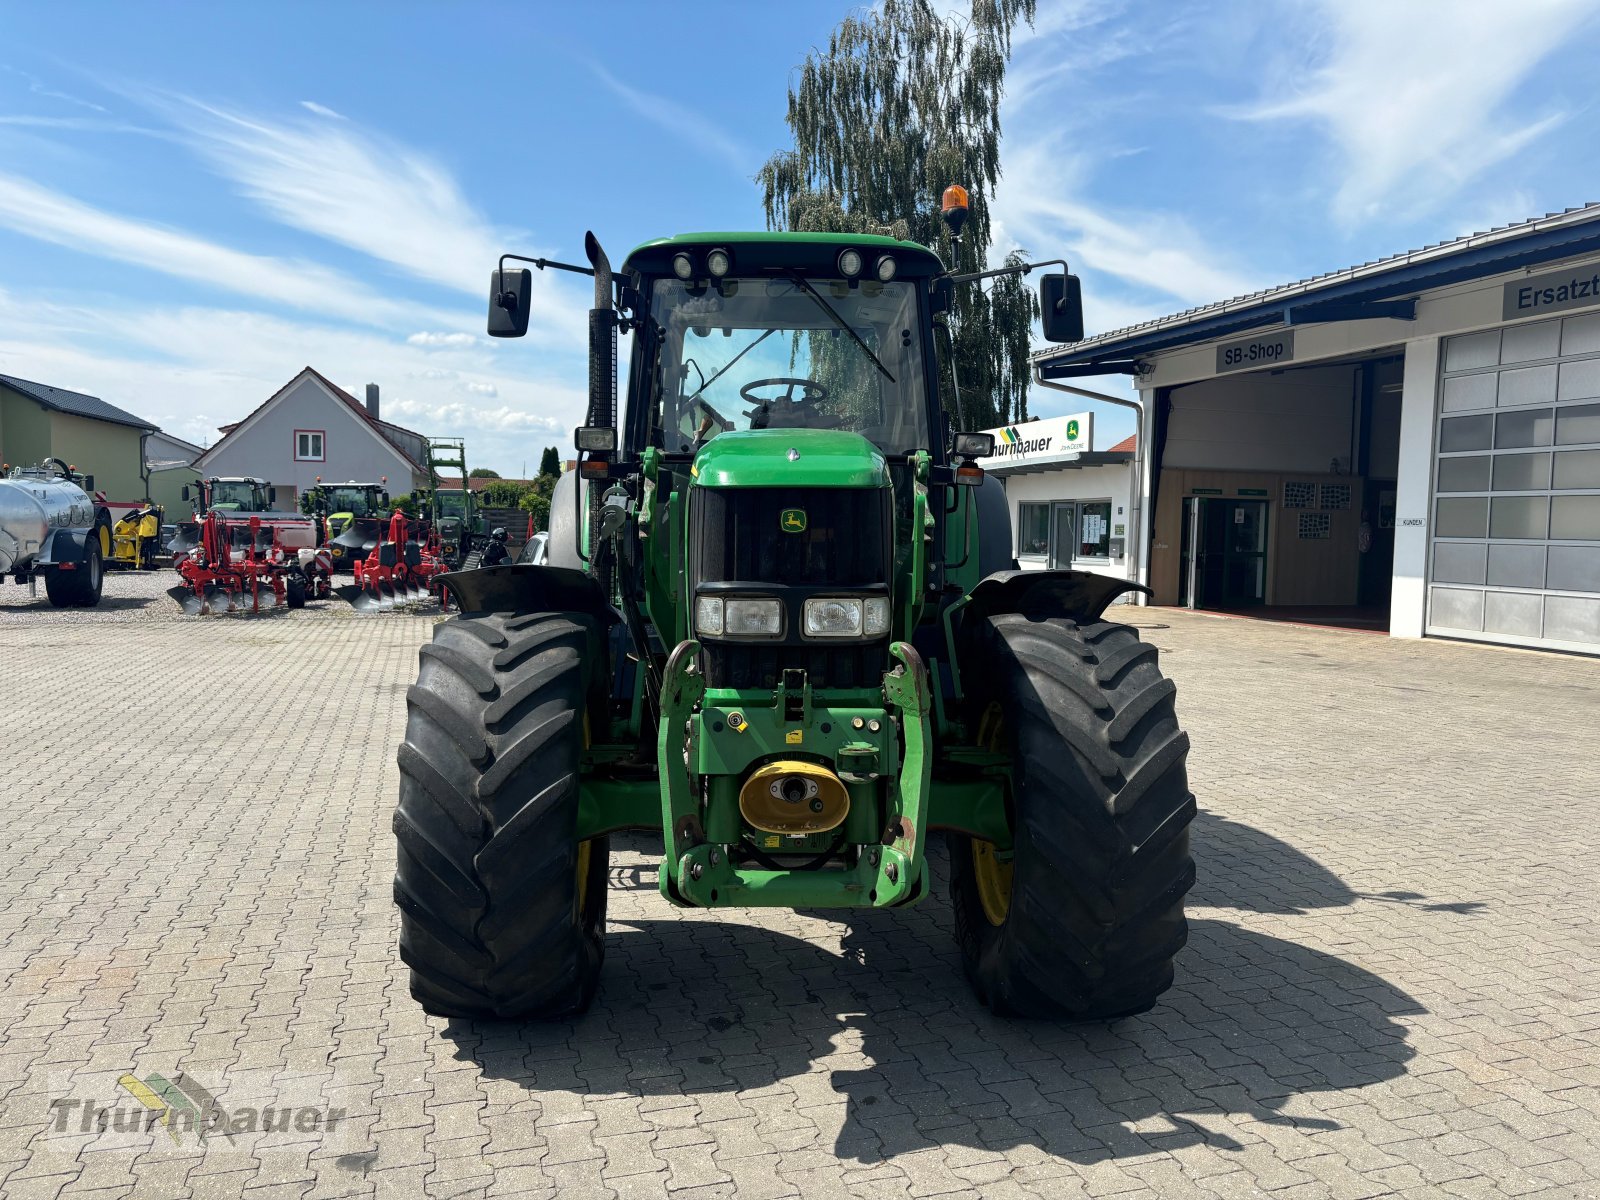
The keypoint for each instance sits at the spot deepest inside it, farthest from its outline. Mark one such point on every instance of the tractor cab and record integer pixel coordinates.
(235, 494)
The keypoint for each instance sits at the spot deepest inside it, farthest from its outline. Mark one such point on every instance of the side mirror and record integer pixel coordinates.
(1061, 308)
(272, 495)
(186, 491)
(974, 445)
(88, 483)
(510, 301)
(383, 499)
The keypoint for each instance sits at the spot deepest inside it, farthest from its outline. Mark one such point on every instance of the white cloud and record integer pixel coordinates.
(193, 369)
(1038, 206)
(38, 87)
(454, 340)
(680, 121)
(483, 389)
(52, 217)
(322, 110)
(1412, 94)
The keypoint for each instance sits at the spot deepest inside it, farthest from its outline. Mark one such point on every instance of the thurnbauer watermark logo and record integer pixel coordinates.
(183, 1106)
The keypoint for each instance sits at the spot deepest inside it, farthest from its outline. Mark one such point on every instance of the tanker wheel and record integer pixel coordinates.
(78, 588)
(294, 591)
(502, 909)
(1082, 920)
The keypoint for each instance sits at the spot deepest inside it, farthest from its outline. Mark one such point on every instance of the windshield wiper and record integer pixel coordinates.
(800, 281)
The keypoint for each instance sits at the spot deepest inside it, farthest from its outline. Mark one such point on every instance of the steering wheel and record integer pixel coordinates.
(813, 392)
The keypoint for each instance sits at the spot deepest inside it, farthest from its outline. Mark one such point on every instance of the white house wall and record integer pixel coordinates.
(265, 445)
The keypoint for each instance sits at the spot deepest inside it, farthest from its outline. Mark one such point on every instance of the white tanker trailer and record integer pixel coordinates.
(50, 527)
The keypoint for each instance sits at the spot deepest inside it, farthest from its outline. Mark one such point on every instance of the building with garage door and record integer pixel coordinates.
(1410, 444)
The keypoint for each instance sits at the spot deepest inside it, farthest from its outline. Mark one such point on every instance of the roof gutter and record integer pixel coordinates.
(1136, 491)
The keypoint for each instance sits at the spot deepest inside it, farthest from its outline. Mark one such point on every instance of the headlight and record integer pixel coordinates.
(886, 268)
(718, 262)
(849, 263)
(683, 267)
(846, 616)
(738, 618)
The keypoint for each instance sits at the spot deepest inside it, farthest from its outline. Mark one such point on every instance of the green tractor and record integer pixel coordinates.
(349, 516)
(781, 626)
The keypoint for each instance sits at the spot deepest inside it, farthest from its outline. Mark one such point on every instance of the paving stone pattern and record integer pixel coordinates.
(1390, 987)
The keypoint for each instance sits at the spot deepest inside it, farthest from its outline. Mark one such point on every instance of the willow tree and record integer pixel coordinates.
(901, 104)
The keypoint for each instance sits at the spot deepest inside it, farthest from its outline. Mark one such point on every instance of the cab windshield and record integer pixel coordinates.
(238, 496)
(788, 353)
(452, 504)
(350, 500)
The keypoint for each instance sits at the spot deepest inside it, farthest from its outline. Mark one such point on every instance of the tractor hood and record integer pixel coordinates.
(790, 458)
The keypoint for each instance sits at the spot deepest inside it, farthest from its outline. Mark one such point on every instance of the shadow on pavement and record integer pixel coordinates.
(1238, 866)
(703, 1007)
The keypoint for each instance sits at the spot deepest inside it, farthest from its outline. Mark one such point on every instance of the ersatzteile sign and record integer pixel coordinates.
(1263, 350)
(1558, 291)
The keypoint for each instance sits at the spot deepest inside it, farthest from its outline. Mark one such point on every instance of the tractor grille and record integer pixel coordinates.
(736, 538)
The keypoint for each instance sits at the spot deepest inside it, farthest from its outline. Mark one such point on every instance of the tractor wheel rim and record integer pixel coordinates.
(992, 876)
(94, 572)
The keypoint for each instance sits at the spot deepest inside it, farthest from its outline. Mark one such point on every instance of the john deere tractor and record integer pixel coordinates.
(781, 626)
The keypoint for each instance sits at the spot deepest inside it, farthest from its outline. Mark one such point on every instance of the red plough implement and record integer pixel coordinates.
(398, 572)
(240, 566)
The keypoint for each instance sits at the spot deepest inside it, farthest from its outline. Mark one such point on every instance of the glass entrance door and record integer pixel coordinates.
(1063, 534)
(1223, 553)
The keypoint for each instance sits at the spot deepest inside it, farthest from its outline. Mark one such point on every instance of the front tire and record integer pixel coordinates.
(1083, 921)
(502, 910)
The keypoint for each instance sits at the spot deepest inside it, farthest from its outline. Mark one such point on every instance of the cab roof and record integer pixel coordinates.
(782, 250)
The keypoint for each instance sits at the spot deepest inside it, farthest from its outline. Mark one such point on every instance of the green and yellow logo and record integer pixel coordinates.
(1009, 436)
(1072, 431)
(792, 520)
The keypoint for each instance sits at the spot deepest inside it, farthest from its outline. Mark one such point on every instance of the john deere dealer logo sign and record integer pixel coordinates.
(1054, 439)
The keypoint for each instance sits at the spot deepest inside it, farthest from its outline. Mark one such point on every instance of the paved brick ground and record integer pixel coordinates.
(1391, 986)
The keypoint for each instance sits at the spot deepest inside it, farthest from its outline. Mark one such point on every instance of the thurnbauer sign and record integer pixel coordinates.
(1029, 443)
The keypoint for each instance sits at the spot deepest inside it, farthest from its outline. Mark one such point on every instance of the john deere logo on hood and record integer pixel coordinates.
(792, 520)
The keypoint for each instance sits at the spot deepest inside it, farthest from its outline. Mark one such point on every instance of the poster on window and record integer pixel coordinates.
(1094, 527)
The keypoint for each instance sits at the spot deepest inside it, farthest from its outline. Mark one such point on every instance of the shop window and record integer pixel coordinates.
(1094, 529)
(1467, 517)
(1464, 433)
(1033, 529)
(1578, 425)
(1521, 472)
(1531, 428)
(308, 445)
(1578, 469)
(1470, 474)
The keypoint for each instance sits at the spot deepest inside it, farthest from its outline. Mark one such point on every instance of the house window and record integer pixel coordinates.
(308, 445)
(1094, 529)
(1033, 529)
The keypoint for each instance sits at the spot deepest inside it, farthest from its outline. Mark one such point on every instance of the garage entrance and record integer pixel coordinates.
(1275, 491)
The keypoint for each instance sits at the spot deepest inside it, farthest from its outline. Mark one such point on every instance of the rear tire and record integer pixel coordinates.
(502, 911)
(294, 592)
(79, 588)
(1084, 922)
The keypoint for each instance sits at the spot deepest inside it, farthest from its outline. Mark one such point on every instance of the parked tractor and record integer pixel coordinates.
(239, 495)
(242, 565)
(456, 519)
(350, 517)
(780, 625)
(401, 569)
(53, 527)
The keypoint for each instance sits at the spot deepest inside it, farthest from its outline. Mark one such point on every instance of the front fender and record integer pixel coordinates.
(526, 588)
(1081, 595)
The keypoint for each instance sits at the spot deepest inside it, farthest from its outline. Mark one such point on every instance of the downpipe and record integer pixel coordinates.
(1136, 492)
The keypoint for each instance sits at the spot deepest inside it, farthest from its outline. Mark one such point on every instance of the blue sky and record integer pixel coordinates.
(198, 200)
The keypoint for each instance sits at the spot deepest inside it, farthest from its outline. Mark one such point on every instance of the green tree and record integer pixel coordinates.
(901, 104)
(550, 462)
(482, 473)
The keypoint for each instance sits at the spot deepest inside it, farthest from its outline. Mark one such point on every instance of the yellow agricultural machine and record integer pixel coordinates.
(135, 539)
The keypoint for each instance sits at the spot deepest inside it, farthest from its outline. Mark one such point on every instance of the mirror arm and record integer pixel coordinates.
(546, 264)
(1020, 269)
